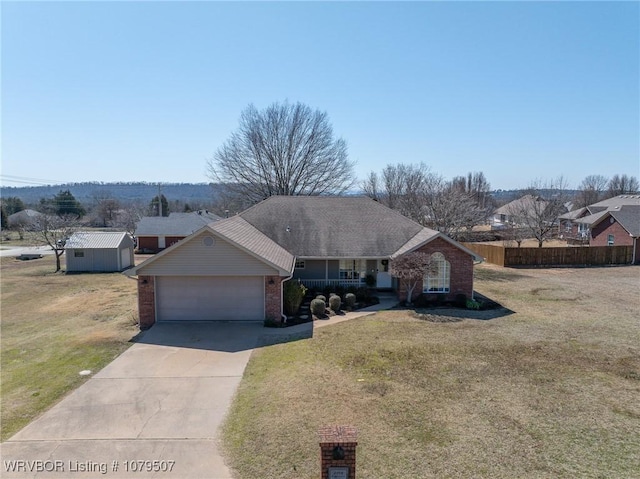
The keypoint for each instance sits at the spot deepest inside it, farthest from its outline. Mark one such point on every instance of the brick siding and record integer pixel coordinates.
(273, 297)
(146, 302)
(600, 233)
(461, 271)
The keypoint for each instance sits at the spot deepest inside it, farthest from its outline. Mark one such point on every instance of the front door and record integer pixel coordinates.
(383, 278)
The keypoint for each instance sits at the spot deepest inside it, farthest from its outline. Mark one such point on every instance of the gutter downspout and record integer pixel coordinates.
(284, 316)
(635, 244)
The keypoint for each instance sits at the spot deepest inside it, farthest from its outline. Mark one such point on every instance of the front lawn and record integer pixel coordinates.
(54, 326)
(548, 391)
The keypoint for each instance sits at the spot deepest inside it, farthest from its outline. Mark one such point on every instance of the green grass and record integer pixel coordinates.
(550, 391)
(54, 326)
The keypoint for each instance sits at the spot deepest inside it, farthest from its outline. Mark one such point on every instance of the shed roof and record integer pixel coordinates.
(96, 240)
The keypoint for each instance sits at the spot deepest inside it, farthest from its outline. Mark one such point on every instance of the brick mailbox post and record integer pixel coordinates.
(338, 452)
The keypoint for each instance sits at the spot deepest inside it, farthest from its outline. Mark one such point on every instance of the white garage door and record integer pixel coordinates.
(222, 298)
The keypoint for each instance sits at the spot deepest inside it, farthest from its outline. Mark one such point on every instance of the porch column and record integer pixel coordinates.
(326, 270)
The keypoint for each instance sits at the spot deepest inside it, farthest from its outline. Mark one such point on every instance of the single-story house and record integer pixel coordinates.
(234, 268)
(99, 252)
(509, 215)
(155, 233)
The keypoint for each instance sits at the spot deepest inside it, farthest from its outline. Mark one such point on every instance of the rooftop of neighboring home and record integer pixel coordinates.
(526, 202)
(590, 213)
(628, 216)
(176, 224)
(96, 240)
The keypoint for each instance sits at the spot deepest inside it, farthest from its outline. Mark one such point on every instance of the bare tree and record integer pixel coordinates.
(591, 190)
(538, 211)
(54, 230)
(129, 216)
(452, 211)
(283, 150)
(427, 198)
(622, 185)
(410, 268)
(105, 207)
(403, 188)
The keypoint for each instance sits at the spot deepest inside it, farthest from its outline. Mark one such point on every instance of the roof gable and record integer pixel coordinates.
(239, 235)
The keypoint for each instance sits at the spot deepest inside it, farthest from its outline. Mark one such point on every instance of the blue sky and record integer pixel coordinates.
(147, 91)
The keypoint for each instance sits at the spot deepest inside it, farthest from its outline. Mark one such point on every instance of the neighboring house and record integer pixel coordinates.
(26, 219)
(618, 226)
(507, 215)
(577, 225)
(99, 252)
(155, 233)
(233, 269)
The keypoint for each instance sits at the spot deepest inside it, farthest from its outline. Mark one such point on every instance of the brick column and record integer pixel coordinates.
(338, 452)
(146, 301)
(273, 297)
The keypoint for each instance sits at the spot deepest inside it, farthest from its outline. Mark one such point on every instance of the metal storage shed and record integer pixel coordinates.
(99, 252)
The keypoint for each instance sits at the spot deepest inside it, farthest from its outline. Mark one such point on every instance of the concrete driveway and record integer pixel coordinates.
(153, 412)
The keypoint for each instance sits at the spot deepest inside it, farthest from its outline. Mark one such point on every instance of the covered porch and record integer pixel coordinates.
(348, 272)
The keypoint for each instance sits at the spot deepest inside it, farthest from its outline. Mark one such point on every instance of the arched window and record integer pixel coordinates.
(438, 277)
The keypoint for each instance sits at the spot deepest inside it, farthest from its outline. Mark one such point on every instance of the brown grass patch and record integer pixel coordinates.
(549, 391)
(53, 326)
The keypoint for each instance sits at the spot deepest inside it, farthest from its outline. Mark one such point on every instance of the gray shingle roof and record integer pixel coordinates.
(628, 216)
(176, 224)
(616, 201)
(96, 240)
(240, 232)
(332, 227)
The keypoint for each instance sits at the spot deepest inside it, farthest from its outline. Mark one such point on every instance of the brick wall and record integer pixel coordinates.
(600, 233)
(334, 436)
(146, 301)
(461, 281)
(273, 297)
(149, 243)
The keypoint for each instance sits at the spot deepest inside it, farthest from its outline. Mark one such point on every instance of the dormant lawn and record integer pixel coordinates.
(551, 390)
(52, 327)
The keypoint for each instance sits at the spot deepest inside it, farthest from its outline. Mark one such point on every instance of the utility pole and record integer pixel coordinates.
(159, 201)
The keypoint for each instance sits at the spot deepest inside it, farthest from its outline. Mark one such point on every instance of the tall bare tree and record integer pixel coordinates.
(622, 185)
(285, 149)
(425, 197)
(538, 211)
(591, 190)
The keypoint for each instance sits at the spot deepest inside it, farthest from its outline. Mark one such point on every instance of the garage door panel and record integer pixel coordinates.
(224, 298)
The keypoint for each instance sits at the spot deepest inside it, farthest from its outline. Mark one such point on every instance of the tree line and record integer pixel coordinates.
(290, 149)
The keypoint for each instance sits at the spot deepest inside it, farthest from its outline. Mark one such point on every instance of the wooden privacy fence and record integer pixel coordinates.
(562, 256)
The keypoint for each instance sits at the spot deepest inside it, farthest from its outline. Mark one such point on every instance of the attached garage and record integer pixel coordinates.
(210, 298)
(227, 271)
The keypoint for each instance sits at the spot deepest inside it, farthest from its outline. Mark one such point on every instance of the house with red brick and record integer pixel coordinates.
(617, 226)
(234, 268)
(576, 225)
(155, 233)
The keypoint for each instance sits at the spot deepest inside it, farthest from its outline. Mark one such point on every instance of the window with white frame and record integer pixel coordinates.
(610, 240)
(438, 278)
(353, 269)
(300, 264)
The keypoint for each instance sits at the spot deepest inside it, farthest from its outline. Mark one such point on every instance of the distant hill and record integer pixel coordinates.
(199, 193)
